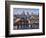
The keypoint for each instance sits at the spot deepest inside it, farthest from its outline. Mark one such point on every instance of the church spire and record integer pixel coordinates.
(23, 13)
(27, 13)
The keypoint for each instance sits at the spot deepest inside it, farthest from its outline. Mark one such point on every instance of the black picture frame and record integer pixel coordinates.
(7, 14)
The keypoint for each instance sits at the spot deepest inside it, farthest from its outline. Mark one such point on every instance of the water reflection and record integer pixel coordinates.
(26, 26)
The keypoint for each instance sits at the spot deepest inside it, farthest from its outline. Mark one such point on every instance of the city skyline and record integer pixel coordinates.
(25, 10)
(26, 18)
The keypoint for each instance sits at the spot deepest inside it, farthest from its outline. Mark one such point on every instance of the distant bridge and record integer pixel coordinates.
(29, 22)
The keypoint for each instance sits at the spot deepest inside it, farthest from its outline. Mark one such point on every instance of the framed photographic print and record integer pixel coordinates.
(24, 18)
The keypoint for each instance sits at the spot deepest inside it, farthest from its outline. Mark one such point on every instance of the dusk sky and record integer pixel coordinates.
(20, 10)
